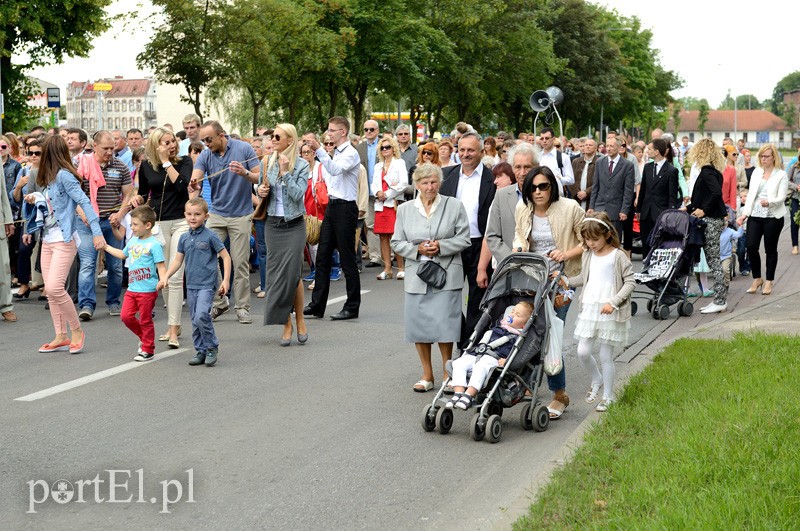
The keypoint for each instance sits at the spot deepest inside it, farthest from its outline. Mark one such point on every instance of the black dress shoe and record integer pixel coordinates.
(309, 311)
(374, 264)
(344, 314)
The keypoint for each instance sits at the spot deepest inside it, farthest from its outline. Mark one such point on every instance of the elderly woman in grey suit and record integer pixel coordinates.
(431, 227)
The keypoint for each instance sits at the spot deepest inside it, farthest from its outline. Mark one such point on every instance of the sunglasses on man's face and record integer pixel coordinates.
(207, 140)
(35, 153)
(543, 187)
(369, 129)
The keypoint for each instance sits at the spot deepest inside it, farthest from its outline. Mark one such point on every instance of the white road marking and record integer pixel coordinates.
(121, 368)
(97, 376)
(343, 298)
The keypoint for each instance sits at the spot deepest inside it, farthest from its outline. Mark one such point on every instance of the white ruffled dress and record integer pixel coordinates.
(598, 291)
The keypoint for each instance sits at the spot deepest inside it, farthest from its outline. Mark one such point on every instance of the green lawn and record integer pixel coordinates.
(706, 437)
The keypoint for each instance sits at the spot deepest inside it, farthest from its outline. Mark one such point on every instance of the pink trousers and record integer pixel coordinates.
(57, 260)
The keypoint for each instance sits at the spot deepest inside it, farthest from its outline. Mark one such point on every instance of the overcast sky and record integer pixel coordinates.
(714, 47)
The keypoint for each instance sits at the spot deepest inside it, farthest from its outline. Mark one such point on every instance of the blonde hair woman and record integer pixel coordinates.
(706, 203)
(764, 211)
(163, 181)
(391, 185)
(283, 181)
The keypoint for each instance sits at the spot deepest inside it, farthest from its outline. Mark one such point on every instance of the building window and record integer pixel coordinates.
(124, 106)
(131, 105)
(110, 107)
(727, 135)
(744, 137)
(691, 137)
(91, 106)
(139, 122)
(84, 123)
(91, 124)
(138, 105)
(124, 122)
(780, 136)
(83, 106)
(116, 105)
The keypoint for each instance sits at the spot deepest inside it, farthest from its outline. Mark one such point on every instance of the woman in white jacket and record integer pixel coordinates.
(388, 191)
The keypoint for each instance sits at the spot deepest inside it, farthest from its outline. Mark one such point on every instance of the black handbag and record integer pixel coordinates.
(431, 272)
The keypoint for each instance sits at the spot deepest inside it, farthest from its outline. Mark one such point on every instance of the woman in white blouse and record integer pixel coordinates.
(764, 210)
(389, 183)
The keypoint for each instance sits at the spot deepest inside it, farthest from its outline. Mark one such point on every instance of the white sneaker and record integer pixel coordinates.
(714, 308)
(603, 405)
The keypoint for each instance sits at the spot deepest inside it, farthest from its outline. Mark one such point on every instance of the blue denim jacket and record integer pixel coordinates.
(294, 189)
(65, 196)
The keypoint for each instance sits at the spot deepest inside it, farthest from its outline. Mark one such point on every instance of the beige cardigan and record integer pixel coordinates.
(565, 217)
(623, 283)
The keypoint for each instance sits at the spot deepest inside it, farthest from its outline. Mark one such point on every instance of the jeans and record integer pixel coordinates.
(559, 381)
(87, 276)
(203, 334)
(24, 261)
(261, 252)
(741, 254)
(793, 208)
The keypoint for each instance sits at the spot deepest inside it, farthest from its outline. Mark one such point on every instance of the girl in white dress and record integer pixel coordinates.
(607, 275)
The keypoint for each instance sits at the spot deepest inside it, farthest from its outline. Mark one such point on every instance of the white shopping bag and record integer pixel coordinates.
(553, 362)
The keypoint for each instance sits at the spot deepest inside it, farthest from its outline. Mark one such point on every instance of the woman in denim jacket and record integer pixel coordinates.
(284, 179)
(63, 193)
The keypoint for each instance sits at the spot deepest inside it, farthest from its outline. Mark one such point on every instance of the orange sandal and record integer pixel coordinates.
(55, 347)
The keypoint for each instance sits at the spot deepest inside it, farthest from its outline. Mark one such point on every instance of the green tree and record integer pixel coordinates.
(787, 84)
(190, 43)
(677, 109)
(702, 117)
(44, 33)
(690, 103)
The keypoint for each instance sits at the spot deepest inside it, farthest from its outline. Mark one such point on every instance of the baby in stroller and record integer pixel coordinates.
(490, 352)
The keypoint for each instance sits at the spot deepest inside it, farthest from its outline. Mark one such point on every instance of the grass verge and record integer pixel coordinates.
(706, 437)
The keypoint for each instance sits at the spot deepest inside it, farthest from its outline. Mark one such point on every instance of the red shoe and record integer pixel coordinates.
(55, 347)
(77, 348)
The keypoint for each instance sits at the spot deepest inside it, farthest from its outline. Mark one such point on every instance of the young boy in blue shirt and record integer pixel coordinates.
(144, 271)
(201, 248)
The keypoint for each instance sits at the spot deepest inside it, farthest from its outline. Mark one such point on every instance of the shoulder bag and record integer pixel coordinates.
(432, 273)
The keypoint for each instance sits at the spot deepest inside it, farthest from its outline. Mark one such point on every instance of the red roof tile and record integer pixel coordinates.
(722, 121)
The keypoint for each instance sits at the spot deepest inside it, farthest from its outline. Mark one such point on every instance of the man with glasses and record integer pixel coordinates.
(338, 229)
(232, 168)
(556, 160)
(191, 126)
(501, 225)
(368, 153)
(472, 183)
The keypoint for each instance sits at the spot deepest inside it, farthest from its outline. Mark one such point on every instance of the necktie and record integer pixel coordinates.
(610, 167)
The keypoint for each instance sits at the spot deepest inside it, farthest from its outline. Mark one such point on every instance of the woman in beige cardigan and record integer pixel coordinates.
(551, 226)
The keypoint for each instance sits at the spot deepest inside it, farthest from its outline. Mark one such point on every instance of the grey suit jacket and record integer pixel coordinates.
(6, 215)
(501, 224)
(613, 194)
(453, 237)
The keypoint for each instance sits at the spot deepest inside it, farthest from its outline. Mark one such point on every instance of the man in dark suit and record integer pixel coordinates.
(473, 184)
(613, 185)
(659, 191)
(368, 154)
(583, 168)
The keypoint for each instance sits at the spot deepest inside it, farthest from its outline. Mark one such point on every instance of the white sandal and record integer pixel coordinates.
(423, 386)
(591, 394)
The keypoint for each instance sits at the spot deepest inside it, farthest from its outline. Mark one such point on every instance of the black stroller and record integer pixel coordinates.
(519, 277)
(668, 266)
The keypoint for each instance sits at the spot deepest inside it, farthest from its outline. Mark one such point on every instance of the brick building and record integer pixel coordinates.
(130, 103)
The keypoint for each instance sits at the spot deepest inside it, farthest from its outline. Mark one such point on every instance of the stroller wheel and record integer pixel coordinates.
(541, 418)
(494, 429)
(476, 431)
(428, 421)
(663, 312)
(634, 307)
(444, 420)
(525, 421)
(685, 309)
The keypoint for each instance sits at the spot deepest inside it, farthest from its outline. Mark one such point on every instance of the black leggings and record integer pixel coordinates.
(770, 229)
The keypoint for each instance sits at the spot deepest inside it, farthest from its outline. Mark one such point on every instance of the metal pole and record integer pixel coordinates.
(3, 103)
(735, 120)
(602, 108)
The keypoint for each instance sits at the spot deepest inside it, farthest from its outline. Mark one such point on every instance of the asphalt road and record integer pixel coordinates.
(325, 435)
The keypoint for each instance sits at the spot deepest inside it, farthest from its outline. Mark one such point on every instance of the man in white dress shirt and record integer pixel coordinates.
(338, 229)
(554, 159)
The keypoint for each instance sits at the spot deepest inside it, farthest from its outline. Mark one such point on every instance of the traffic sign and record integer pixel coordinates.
(102, 87)
(53, 97)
